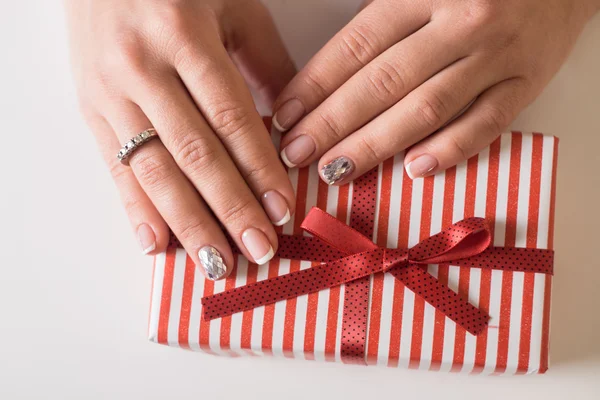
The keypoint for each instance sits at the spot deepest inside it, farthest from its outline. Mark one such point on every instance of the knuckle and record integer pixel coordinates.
(189, 229)
(329, 127)
(386, 82)
(126, 56)
(194, 153)
(463, 148)
(259, 170)
(235, 213)
(359, 44)
(118, 171)
(480, 13)
(152, 171)
(132, 205)
(431, 111)
(315, 84)
(372, 150)
(495, 118)
(231, 120)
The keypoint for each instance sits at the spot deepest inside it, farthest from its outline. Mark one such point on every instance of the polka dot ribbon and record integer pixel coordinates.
(349, 257)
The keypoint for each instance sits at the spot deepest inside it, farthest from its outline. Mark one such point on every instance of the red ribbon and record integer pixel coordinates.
(350, 257)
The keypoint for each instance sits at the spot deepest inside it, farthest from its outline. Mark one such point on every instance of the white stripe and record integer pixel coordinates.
(537, 316)
(406, 331)
(460, 188)
(196, 311)
(332, 200)
(159, 274)
(516, 312)
(415, 212)
(321, 327)
(288, 228)
(387, 299)
(449, 325)
(482, 182)
(176, 297)
(499, 238)
(338, 333)
(395, 202)
(437, 209)
(471, 340)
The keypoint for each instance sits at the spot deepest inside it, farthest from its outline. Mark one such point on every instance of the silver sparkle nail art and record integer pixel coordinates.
(212, 262)
(337, 170)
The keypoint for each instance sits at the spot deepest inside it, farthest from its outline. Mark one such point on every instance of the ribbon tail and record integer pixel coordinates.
(292, 285)
(442, 298)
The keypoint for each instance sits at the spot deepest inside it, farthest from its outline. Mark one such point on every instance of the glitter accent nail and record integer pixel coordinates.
(337, 170)
(212, 262)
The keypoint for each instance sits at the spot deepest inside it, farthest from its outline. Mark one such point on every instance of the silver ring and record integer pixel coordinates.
(134, 143)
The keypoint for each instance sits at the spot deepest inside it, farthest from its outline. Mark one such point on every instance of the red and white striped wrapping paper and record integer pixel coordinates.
(512, 183)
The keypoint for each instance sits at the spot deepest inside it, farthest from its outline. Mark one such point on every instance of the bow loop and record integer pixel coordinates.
(460, 240)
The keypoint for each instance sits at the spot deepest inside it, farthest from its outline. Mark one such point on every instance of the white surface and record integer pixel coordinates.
(74, 288)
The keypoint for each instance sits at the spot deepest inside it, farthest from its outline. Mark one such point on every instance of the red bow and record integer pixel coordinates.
(352, 256)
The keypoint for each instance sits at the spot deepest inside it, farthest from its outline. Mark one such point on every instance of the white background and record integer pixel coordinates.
(74, 289)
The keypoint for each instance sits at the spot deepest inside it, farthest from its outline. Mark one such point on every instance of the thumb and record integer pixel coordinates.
(259, 53)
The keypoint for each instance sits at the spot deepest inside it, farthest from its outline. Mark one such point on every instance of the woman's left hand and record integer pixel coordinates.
(443, 76)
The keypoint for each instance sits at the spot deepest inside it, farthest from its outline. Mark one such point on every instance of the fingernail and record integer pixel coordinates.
(337, 170)
(288, 114)
(257, 245)
(421, 166)
(298, 151)
(147, 238)
(276, 207)
(212, 262)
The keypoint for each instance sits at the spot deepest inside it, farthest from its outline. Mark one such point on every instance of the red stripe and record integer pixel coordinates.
(248, 316)
(510, 237)
(313, 298)
(269, 318)
(486, 274)
(165, 301)
(548, 284)
(204, 335)
(440, 318)
(532, 232)
(186, 303)
(290, 307)
(398, 306)
(419, 308)
(225, 339)
(377, 284)
(334, 293)
(465, 273)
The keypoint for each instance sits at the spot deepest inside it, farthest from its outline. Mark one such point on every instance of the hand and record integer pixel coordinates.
(179, 66)
(443, 76)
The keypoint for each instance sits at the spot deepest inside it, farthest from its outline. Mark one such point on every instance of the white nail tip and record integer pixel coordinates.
(283, 220)
(276, 124)
(266, 258)
(410, 175)
(149, 249)
(286, 161)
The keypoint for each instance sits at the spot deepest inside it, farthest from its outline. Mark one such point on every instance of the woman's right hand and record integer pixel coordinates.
(180, 67)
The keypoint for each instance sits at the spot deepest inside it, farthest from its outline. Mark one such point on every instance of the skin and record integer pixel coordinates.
(182, 67)
(437, 77)
(433, 77)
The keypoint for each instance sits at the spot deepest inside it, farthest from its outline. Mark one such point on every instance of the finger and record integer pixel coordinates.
(222, 96)
(371, 91)
(413, 118)
(371, 32)
(150, 228)
(469, 134)
(259, 53)
(173, 195)
(201, 156)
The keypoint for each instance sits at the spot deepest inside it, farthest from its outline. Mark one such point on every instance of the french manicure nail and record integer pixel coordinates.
(147, 238)
(298, 151)
(337, 170)
(276, 207)
(212, 263)
(288, 114)
(421, 166)
(257, 245)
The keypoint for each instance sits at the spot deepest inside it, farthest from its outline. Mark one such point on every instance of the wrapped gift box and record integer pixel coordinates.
(511, 184)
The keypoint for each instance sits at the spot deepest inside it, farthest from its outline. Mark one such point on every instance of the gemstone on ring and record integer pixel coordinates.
(134, 143)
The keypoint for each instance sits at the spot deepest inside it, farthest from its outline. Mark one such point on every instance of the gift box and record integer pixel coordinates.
(356, 288)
